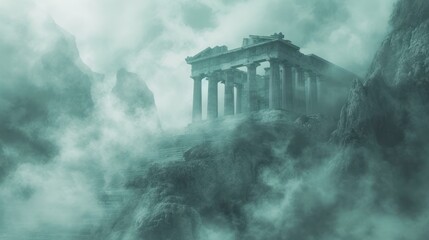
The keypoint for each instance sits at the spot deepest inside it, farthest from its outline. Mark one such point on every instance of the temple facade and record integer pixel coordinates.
(293, 81)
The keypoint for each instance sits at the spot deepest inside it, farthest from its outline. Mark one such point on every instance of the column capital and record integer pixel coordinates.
(238, 85)
(286, 63)
(213, 75)
(229, 75)
(253, 65)
(230, 72)
(312, 74)
(274, 60)
(322, 77)
(198, 77)
(300, 69)
(267, 71)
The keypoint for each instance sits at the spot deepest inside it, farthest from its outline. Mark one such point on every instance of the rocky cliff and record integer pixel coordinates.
(41, 89)
(393, 97)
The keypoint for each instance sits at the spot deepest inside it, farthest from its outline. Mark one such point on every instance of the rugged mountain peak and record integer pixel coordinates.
(133, 91)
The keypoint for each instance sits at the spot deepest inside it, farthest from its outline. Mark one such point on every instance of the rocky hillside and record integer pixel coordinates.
(209, 187)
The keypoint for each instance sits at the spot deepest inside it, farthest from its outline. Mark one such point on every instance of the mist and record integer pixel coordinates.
(96, 140)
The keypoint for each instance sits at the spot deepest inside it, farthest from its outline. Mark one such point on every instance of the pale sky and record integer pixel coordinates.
(153, 37)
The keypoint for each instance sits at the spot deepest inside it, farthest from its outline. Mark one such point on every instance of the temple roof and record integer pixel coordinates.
(247, 42)
(255, 39)
(211, 51)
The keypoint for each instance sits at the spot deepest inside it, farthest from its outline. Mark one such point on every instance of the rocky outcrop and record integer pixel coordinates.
(394, 96)
(133, 92)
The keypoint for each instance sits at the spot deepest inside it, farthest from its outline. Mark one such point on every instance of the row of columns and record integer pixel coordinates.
(212, 96)
(280, 94)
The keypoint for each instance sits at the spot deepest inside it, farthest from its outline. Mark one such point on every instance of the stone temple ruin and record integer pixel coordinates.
(294, 81)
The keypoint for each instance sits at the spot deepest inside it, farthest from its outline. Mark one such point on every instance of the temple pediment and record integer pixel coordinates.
(255, 39)
(208, 52)
(254, 42)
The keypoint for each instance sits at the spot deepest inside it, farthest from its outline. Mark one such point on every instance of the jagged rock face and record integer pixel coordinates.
(133, 92)
(385, 118)
(410, 13)
(395, 94)
(41, 88)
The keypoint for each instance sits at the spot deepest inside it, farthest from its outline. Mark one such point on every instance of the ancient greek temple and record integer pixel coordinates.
(293, 81)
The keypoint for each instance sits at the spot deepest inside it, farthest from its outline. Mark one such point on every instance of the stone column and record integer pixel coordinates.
(301, 97)
(212, 100)
(229, 93)
(312, 91)
(321, 91)
(287, 83)
(251, 82)
(197, 100)
(267, 88)
(238, 106)
(274, 92)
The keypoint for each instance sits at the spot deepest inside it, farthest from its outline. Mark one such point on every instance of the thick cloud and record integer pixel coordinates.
(198, 16)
